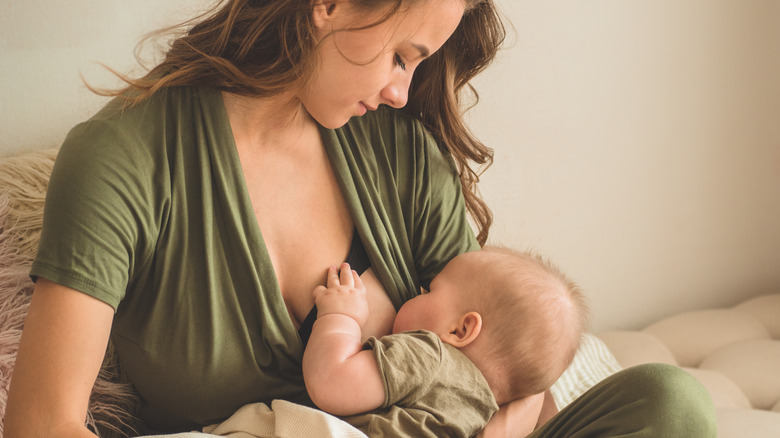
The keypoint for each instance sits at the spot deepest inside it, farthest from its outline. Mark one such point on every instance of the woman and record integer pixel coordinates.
(191, 218)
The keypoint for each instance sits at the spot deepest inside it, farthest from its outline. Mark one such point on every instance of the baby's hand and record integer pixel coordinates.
(345, 295)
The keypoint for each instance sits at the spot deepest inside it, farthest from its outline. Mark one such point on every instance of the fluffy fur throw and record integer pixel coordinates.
(23, 182)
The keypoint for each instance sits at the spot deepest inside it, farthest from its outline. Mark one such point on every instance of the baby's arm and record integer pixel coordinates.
(340, 376)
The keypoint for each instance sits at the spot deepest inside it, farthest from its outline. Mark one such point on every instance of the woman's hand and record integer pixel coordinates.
(64, 340)
(344, 295)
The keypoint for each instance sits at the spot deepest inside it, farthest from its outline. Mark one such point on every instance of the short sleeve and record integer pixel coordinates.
(431, 390)
(98, 217)
(442, 229)
(408, 363)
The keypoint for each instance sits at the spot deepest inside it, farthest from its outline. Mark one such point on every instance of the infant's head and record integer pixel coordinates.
(516, 316)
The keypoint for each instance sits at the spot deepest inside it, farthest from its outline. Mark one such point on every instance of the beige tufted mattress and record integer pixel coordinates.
(734, 352)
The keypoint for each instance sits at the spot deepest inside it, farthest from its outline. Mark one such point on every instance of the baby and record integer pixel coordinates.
(497, 326)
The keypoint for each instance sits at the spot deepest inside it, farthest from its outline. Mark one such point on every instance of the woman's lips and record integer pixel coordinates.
(365, 108)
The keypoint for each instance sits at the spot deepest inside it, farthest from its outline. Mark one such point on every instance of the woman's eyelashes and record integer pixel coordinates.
(400, 62)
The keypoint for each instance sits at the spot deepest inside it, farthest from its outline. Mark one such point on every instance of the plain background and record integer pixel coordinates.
(637, 142)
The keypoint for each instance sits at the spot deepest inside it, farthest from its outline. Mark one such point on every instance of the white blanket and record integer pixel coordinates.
(282, 420)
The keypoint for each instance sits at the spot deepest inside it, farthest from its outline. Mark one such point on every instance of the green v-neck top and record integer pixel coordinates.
(147, 210)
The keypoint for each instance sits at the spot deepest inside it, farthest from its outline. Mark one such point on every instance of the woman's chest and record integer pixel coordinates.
(303, 219)
(306, 237)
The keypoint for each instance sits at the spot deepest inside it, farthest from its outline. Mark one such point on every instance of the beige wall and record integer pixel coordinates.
(47, 46)
(637, 142)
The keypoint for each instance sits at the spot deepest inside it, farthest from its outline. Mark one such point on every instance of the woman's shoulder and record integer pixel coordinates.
(164, 104)
(140, 130)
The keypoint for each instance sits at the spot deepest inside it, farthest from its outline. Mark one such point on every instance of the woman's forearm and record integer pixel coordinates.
(549, 408)
(61, 431)
(62, 347)
(515, 419)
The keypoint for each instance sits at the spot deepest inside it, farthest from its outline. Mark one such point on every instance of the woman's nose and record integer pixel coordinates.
(396, 93)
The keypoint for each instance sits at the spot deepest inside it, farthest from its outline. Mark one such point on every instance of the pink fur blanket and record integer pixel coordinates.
(23, 182)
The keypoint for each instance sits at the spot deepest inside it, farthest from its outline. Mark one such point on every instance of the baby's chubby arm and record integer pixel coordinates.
(341, 377)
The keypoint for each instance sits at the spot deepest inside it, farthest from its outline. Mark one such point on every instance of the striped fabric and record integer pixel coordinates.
(592, 364)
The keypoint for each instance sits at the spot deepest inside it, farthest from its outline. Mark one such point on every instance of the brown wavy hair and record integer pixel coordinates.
(258, 48)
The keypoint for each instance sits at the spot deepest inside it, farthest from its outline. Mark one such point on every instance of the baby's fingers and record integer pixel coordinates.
(333, 277)
(357, 280)
(347, 278)
(318, 291)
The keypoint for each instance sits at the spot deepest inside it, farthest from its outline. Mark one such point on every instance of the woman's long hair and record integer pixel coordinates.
(438, 89)
(259, 48)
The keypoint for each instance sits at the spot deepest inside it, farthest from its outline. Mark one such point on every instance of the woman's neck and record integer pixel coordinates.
(279, 120)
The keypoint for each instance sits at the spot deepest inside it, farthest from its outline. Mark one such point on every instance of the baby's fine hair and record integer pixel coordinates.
(534, 318)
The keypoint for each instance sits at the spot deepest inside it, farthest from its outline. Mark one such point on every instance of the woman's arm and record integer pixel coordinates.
(63, 343)
(515, 419)
(549, 409)
(341, 377)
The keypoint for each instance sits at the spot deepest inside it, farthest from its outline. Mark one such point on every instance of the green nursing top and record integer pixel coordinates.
(147, 210)
(432, 390)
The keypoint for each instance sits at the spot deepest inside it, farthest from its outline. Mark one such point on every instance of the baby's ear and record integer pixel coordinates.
(468, 327)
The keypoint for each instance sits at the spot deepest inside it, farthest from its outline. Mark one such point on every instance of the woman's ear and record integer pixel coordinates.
(468, 327)
(323, 11)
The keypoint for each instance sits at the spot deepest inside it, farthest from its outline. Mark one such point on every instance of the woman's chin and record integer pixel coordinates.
(334, 120)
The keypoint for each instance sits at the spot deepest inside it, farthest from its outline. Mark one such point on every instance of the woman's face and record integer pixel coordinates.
(359, 70)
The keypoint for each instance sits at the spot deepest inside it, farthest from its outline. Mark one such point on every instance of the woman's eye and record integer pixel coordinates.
(399, 62)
